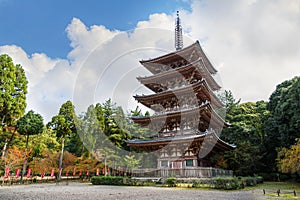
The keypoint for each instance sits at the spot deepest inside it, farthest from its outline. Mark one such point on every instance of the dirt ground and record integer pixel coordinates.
(74, 191)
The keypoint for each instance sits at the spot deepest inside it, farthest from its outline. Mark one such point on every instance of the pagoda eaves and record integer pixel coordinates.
(195, 70)
(158, 143)
(189, 54)
(209, 118)
(200, 89)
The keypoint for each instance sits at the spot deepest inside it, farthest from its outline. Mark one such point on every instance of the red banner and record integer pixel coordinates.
(67, 174)
(7, 173)
(87, 172)
(97, 172)
(103, 171)
(74, 171)
(80, 173)
(28, 173)
(42, 174)
(52, 173)
(17, 173)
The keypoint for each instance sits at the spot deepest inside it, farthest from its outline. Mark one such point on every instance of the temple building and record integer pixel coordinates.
(185, 119)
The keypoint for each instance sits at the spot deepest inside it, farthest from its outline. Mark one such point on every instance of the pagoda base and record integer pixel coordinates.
(194, 172)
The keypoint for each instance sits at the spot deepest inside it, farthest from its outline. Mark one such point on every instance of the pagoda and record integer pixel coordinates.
(185, 120)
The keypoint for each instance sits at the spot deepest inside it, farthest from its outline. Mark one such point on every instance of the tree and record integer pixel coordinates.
(115, 124)
(284, 106)
(13, 90)
(132, 162)
(244, 159)
(282, 127)
(136, 112)
(247, 133)
(29, 124)
(90, 128)
(14, 158)
(229, 101)
(289, 159)
(63, 125)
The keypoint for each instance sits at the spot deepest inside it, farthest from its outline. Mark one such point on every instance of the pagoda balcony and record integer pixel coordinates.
(179, 132)
(181, 109)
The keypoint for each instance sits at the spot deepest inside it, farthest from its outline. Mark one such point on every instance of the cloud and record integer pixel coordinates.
(254, 45)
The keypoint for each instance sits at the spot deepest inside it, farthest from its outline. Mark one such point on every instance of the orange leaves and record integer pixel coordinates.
(289, 159)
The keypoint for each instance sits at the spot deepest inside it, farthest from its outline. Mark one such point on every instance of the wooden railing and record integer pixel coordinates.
(199, 172)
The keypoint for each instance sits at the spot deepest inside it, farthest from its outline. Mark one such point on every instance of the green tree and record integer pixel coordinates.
(230, 103)
(284, 106)
(13, 90)
(247, 133)
(283, 125)
(29, 124)
(132, 162)
(115, 124)
(136, 112)
(90, 128)
(63, 125)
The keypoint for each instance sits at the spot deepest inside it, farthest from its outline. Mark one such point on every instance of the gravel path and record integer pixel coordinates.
(87, 191)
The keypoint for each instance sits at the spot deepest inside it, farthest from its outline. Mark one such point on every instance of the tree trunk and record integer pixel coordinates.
(25, 161)
(4, 149)
(61, 157)
(7, 144)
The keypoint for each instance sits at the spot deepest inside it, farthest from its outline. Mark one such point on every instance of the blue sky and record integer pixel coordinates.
(39, 25)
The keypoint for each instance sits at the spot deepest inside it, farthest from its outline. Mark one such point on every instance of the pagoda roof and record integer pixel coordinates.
(206, 94)
(153, 81)
(189, 53)
(160, 142)
(205, 110)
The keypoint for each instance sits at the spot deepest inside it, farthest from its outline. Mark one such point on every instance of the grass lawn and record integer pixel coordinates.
(286, 189)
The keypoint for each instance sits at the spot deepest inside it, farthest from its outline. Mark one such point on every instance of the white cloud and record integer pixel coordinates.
(253, 43)
(256, 42)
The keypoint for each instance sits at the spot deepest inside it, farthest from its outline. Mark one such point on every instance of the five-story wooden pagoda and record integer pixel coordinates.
(184, 104)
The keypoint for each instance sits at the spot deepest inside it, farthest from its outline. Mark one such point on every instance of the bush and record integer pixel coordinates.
(202, 183)
(109, 180)
(171, 182)
(141, 183)
(249, 181)
(259, 179)
(228, 183)
(275, 176)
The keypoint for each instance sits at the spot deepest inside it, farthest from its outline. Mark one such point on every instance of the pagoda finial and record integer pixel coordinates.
(178, 33)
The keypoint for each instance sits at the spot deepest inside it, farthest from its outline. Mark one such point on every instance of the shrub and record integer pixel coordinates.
(275, 176)
(141, 183)
(202, 183)
(109, 180)
(228, 183)
(171, 182)
(249, 181)
(259, 179)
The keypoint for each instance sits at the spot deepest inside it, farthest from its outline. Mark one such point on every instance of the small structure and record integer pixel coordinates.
(185, 118)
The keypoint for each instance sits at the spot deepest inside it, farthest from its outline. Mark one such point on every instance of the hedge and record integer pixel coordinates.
(228, 183)
(109, 180)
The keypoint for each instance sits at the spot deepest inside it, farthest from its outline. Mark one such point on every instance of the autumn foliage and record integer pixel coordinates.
(289, 159)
